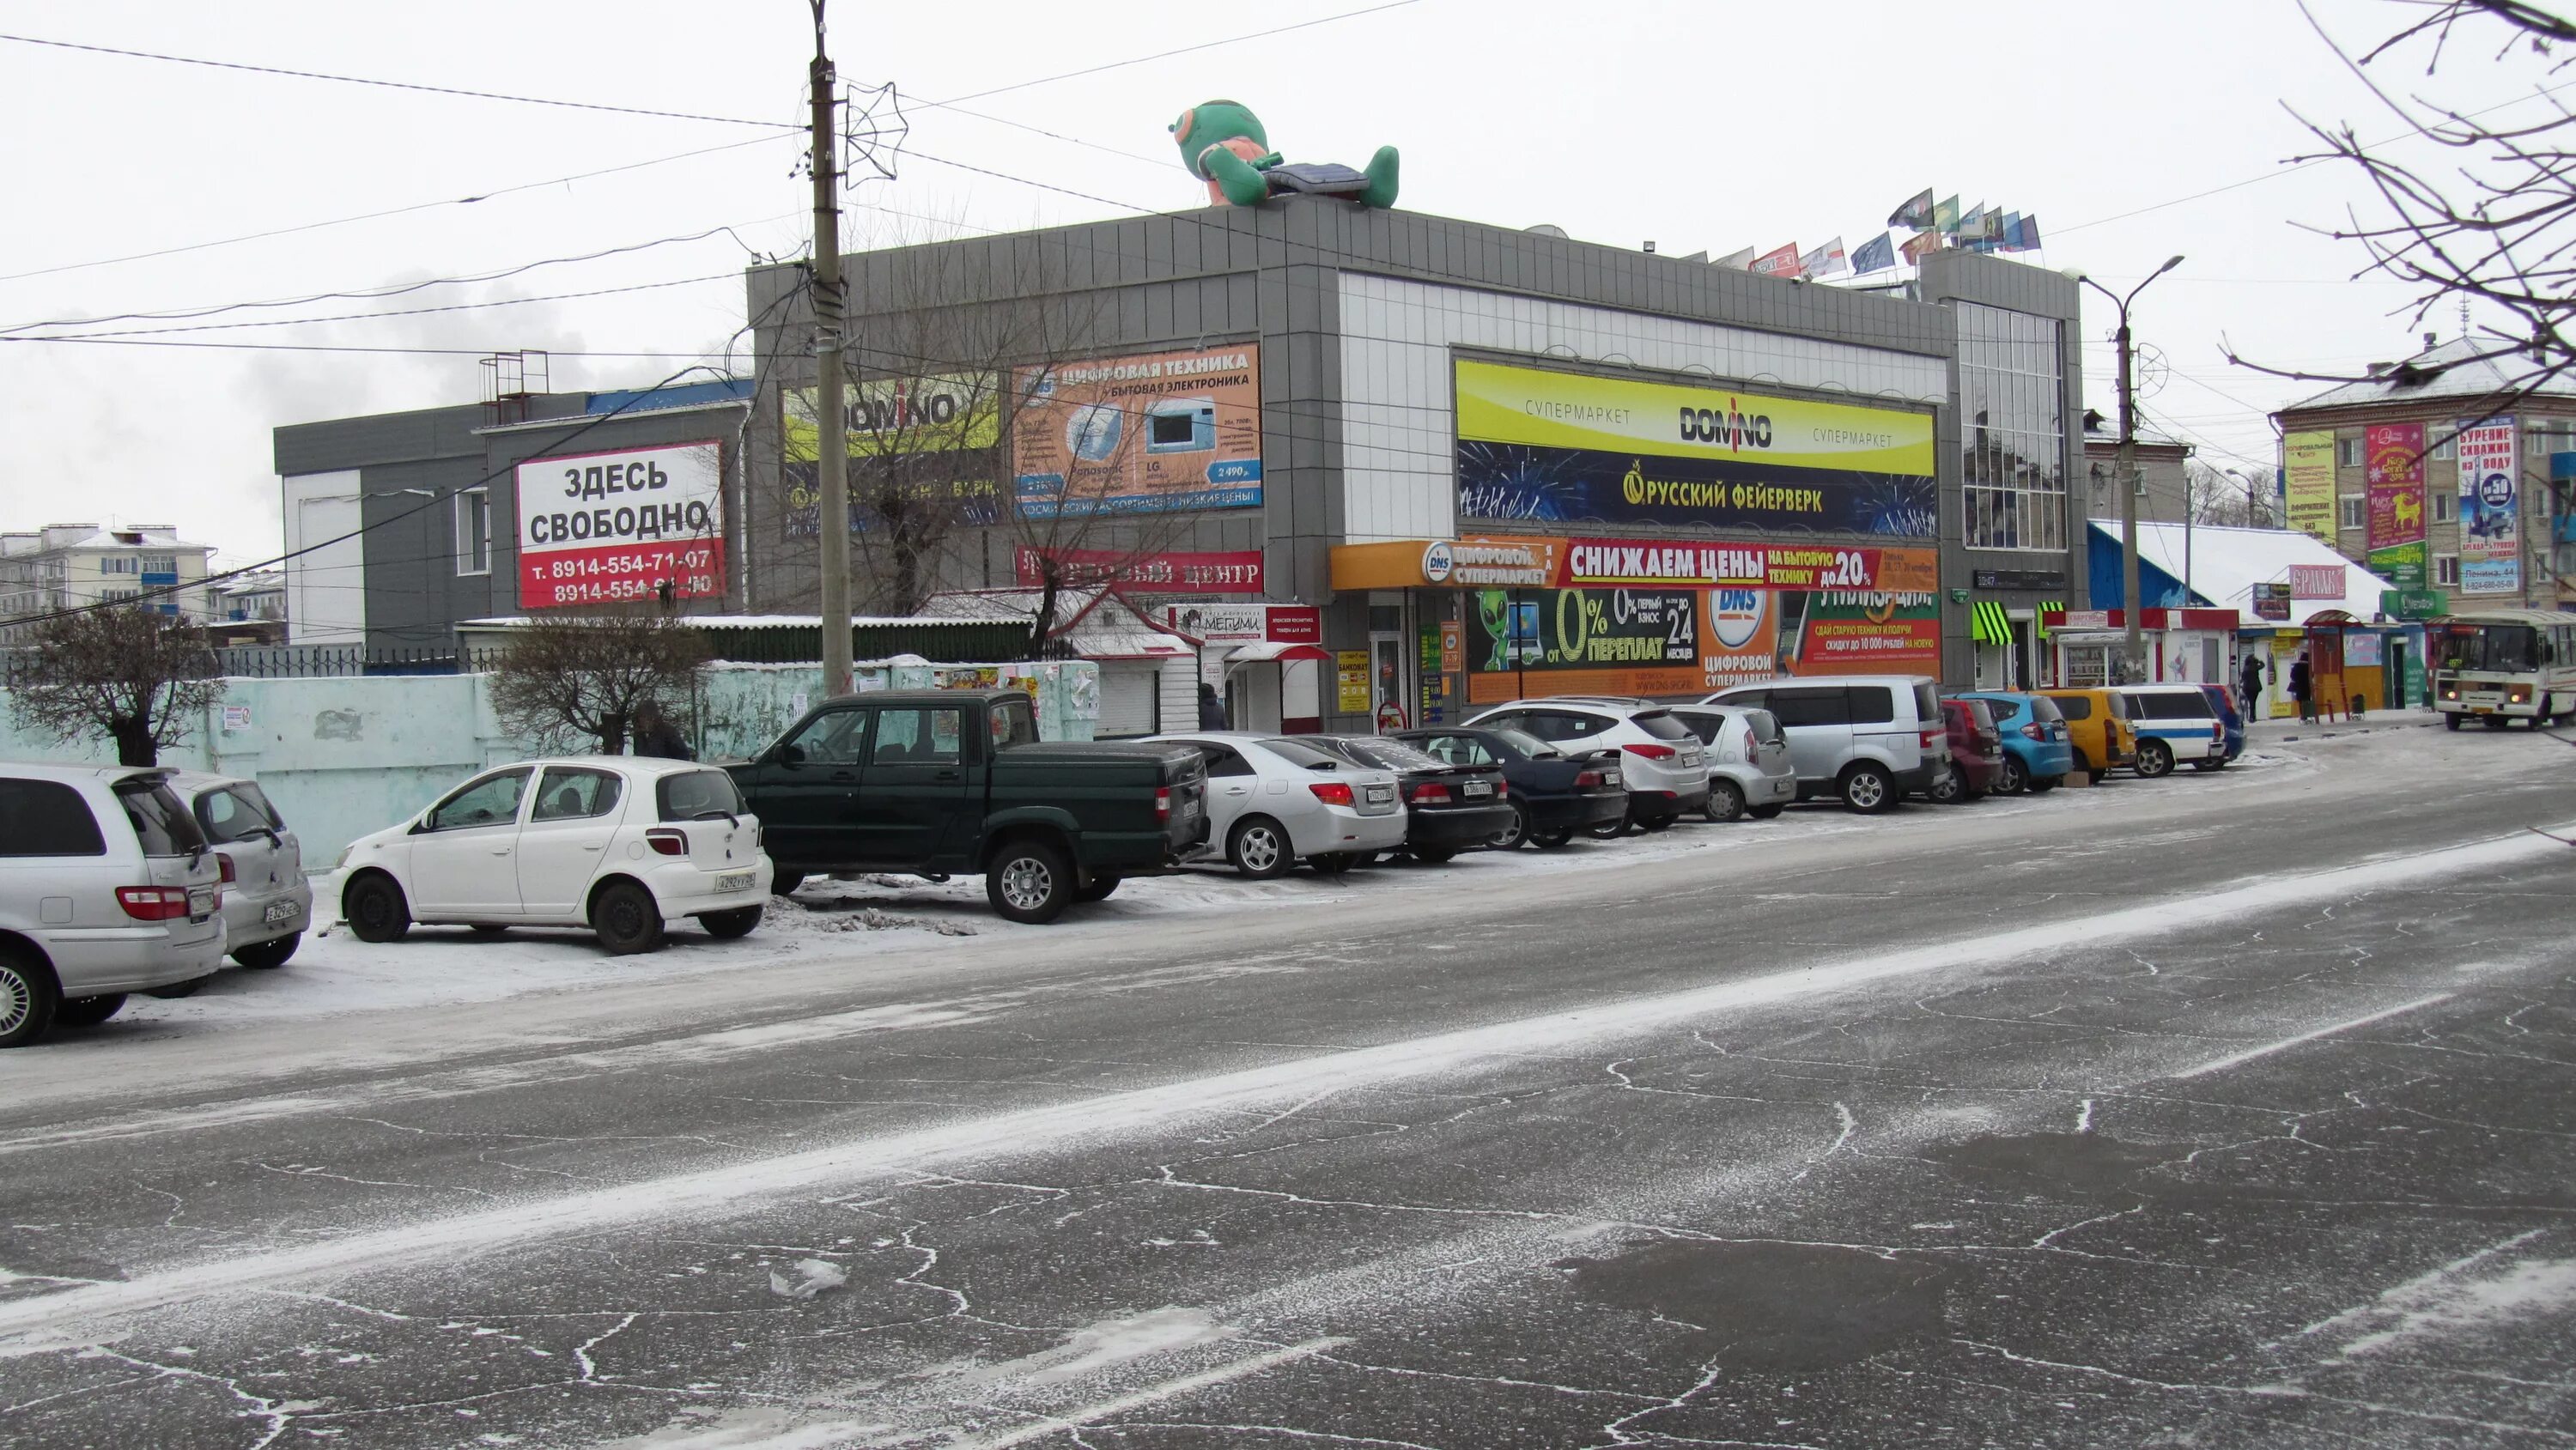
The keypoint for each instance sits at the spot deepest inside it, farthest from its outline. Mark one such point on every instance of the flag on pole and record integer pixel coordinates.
(1740, 261)
(2029, 234)
(1921, 243)
(1824, 261)
(1945, 217)
(1778, 262)
(2010, 236)
(1875, 255)
(1916, 213)
(1972, 223)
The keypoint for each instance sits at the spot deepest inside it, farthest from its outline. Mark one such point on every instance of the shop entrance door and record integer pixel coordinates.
(1391, 685)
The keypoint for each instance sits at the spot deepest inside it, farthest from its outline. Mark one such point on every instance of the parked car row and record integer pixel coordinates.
(117, 880)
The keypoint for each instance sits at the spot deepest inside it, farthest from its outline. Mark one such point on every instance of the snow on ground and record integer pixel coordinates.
(874, 916)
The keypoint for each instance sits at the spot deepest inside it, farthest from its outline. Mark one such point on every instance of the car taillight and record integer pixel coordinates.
(2217, 732)
(1332, 793)
(667, 842)
(1584, 778)
(1428, 793)
(1652, 752)
(226, 862)
(2033, 732)
(1931, 738)
(1162, 804)
(153, 903)
(1502, 788)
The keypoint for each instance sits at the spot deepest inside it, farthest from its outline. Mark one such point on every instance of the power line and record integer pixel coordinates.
(310, 75)
(1168, 54)
(399, 312)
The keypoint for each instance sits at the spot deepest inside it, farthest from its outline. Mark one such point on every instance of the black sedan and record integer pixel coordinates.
(1448, 808)
(1554, 793)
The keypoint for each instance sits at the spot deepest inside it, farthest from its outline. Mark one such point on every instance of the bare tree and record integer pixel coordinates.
(2223, 497)
(2492, 218)
(560, 681)
(141, 679)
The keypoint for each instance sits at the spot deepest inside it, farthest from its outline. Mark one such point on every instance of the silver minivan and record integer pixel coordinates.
(106, 887)
(267, 901)
(1871, 740)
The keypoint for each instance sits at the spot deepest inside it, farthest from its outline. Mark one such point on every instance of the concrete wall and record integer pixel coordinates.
(343, 757)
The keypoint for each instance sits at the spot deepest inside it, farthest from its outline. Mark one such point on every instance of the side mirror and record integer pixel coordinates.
(790, 755)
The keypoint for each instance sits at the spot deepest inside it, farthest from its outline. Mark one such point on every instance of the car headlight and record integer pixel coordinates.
(341, 861)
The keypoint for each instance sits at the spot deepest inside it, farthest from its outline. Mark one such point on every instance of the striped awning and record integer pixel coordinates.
(2046, 607)
(1987, 624)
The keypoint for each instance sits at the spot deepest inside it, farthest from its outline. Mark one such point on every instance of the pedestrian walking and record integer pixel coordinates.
(2253, 680)
(656, 736)
(2303, 689)
(1211, 709)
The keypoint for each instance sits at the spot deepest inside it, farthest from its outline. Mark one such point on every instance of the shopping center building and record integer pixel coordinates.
(1500, 462)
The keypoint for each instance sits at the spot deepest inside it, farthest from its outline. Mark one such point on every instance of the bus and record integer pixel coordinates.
(2502, 665)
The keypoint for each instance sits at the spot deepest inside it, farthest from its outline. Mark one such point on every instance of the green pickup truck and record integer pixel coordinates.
(946, 782)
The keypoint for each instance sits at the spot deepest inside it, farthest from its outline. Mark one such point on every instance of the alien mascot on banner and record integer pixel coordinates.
(1222, 144)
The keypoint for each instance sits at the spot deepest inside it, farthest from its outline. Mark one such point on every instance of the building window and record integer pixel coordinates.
(2356, 511)
(2446, 505)
(474, 532)
(160, 563)
(114, 596)
(2348, 452)
(2012, 429)
(117, 564)
(2446, 568)
(2446, 446)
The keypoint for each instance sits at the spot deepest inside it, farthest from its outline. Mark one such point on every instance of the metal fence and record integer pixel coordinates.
(309, 661)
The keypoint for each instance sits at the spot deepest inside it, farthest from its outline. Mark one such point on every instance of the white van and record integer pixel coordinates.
(1872, 740)
(106, 887)
(2174, 723)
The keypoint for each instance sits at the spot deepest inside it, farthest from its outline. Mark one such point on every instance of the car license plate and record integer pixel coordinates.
(2486, 709)
(1480, 787)
(1379, 795)
(736, 880)
(1189, 810)
(1610, 777)
(201, 900)
(279, 911)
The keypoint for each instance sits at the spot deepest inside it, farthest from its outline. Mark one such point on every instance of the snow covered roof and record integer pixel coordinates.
(2444, 370)
(2226, 564)
(1092, 619)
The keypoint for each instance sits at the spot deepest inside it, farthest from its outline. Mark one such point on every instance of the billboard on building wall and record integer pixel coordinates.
(2393, 455)
(1155, 432)
(1540, 446)
(2308, 483)
(1849, 632)
(908, 440)
(599, 528)
(2490, 509)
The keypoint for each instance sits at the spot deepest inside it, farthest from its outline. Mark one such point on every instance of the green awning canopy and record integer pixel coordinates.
(2046, 608)
(1987, 624)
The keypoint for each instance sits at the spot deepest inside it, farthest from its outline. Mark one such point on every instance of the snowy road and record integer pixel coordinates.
(2221, 1111)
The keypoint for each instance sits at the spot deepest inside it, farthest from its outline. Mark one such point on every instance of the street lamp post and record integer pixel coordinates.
(2134, 648)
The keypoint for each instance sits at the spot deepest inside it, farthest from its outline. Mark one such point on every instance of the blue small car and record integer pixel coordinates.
(2223, 700)
(2037, 754)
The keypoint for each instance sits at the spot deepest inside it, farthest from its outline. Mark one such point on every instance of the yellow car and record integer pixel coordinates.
(2097, 725)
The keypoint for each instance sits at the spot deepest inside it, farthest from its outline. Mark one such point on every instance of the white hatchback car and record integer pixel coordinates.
(617, 843)
(267, 902)
(1272, 802)
(1665, 766)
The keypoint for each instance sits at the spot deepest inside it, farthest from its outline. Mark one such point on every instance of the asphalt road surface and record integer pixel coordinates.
(2222, 1111)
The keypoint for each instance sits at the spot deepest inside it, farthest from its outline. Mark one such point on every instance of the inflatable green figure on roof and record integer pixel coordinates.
(1222, 144)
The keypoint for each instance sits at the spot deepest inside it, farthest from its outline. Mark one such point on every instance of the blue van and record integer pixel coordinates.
(2223, 700)
(2037, 754)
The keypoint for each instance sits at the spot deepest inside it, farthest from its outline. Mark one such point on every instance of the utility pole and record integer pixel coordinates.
(832, 458)
(2133, 649)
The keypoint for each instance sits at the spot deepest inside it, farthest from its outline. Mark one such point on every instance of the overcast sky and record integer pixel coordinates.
(1695, 125)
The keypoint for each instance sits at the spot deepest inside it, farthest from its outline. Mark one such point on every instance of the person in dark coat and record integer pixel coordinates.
(2301, 690)
(1211, 709)
(656, 736)
(2253, 681)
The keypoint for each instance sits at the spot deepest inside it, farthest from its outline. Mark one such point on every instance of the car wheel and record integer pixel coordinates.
(786, 882)
(1100, 889)
(2209, 765)
(177, 990)
(28, 998)
(2043, 784)
(2451, 722)
(726, 925)
(1612, 830)
(375, 908)
(1949, 790)
(2155, 760)
(272, 953)
(1765, 813)
(1332, 863)
(1868, 788)
(488, 928)
(88, 1011)
(2013, 778)
(1656, 823)
(1030, 882)
(2084, 767)
(1552, 840)
(1434, 855)
(1725, 801)
(1258, 847)
(1512, 837)
(627, 919)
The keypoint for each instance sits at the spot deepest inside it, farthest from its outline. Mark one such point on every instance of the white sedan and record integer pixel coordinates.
(1272, 801)
(616, 843)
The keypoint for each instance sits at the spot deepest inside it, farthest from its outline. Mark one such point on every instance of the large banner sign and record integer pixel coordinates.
(1752, 566)
(911, 441)
(1634, 641)
(2394, 456)
(2308, 483)
(1843, 632)
(597, 528)
(1230, 571)
(1157, 432)
(2490, 509)
(1538, 446)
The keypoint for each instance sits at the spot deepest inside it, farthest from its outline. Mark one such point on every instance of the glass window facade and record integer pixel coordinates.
(2012, 429)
